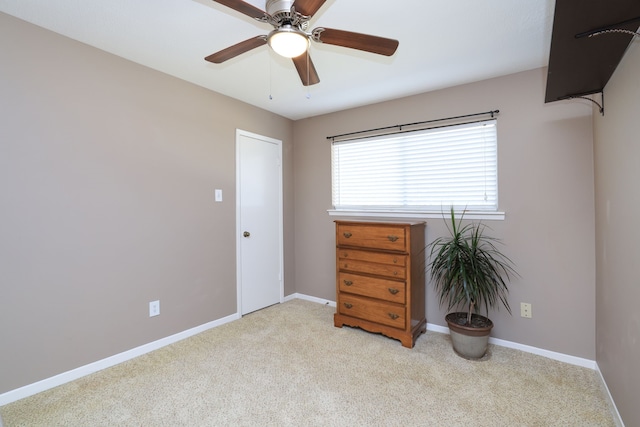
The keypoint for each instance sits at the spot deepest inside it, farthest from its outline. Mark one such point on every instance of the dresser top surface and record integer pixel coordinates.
(377, 222)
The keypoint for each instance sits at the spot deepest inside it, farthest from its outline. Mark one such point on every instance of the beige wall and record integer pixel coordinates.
(107, 175)
(545, 188)
(107, 171)
(617, 174)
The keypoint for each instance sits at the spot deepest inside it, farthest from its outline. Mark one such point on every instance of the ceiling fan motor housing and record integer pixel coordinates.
(275, 7)
(281, 13)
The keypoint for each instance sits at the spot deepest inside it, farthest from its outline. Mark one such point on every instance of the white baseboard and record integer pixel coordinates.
(573, 360)
(437, 328)
(310, 298)
(614, 409)
(74, 374)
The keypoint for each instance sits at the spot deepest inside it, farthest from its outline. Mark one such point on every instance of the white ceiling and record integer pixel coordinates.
(443, 43)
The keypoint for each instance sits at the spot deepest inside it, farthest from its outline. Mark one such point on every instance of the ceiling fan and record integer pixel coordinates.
(289, 37)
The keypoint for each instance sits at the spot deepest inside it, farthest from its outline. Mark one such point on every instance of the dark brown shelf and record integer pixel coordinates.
(583, 65)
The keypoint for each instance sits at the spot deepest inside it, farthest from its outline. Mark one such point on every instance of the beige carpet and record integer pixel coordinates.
(287, 365)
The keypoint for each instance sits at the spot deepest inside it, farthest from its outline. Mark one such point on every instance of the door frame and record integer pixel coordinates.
(240, 133)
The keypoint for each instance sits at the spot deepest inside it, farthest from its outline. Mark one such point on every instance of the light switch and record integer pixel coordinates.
(218, 195)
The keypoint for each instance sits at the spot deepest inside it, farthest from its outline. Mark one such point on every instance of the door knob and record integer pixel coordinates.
(246, 234)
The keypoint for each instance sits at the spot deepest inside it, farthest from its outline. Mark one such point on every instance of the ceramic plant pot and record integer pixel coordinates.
(470, 342)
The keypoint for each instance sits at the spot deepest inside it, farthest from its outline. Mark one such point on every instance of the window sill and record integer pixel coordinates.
(413, 215)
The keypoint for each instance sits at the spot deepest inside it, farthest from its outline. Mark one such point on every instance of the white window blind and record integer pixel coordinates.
(420, 170)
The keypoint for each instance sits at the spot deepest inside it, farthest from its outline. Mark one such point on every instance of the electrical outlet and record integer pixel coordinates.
(525, 310)
(154, 308)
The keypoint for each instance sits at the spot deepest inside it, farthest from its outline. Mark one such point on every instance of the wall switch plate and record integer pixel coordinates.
(218, 195)
(525, 310)
(154, 308)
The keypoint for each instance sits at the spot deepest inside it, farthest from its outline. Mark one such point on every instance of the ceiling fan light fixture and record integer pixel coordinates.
(288, 41)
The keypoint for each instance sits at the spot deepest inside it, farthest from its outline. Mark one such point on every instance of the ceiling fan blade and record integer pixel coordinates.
(373, 44)
(306, 69)
(236, 49)
(242, 7)
(308, 7)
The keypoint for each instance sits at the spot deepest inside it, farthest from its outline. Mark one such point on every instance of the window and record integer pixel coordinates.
(425, 170)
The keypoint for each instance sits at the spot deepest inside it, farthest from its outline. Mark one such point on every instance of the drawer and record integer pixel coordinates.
(377, 269)
(383, 289)
(375, 236)
(385, 313)
(377, 257)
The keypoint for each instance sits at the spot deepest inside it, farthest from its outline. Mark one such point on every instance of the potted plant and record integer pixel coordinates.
(468, 271)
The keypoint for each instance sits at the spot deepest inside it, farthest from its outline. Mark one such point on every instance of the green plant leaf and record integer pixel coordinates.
(467, 268)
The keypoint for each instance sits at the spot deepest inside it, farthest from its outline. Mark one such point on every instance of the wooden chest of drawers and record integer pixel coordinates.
(380, 281)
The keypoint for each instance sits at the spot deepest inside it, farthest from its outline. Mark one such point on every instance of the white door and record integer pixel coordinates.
(259, 221)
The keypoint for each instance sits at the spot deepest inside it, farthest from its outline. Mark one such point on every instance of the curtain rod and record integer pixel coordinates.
(413, 124)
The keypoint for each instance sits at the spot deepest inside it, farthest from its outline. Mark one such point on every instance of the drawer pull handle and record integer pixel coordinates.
(392, 238)
(395, 273)
(347, 235)
(395, 260)
(346, 304)
(348, 282)
(393, 316)
(393, 291)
